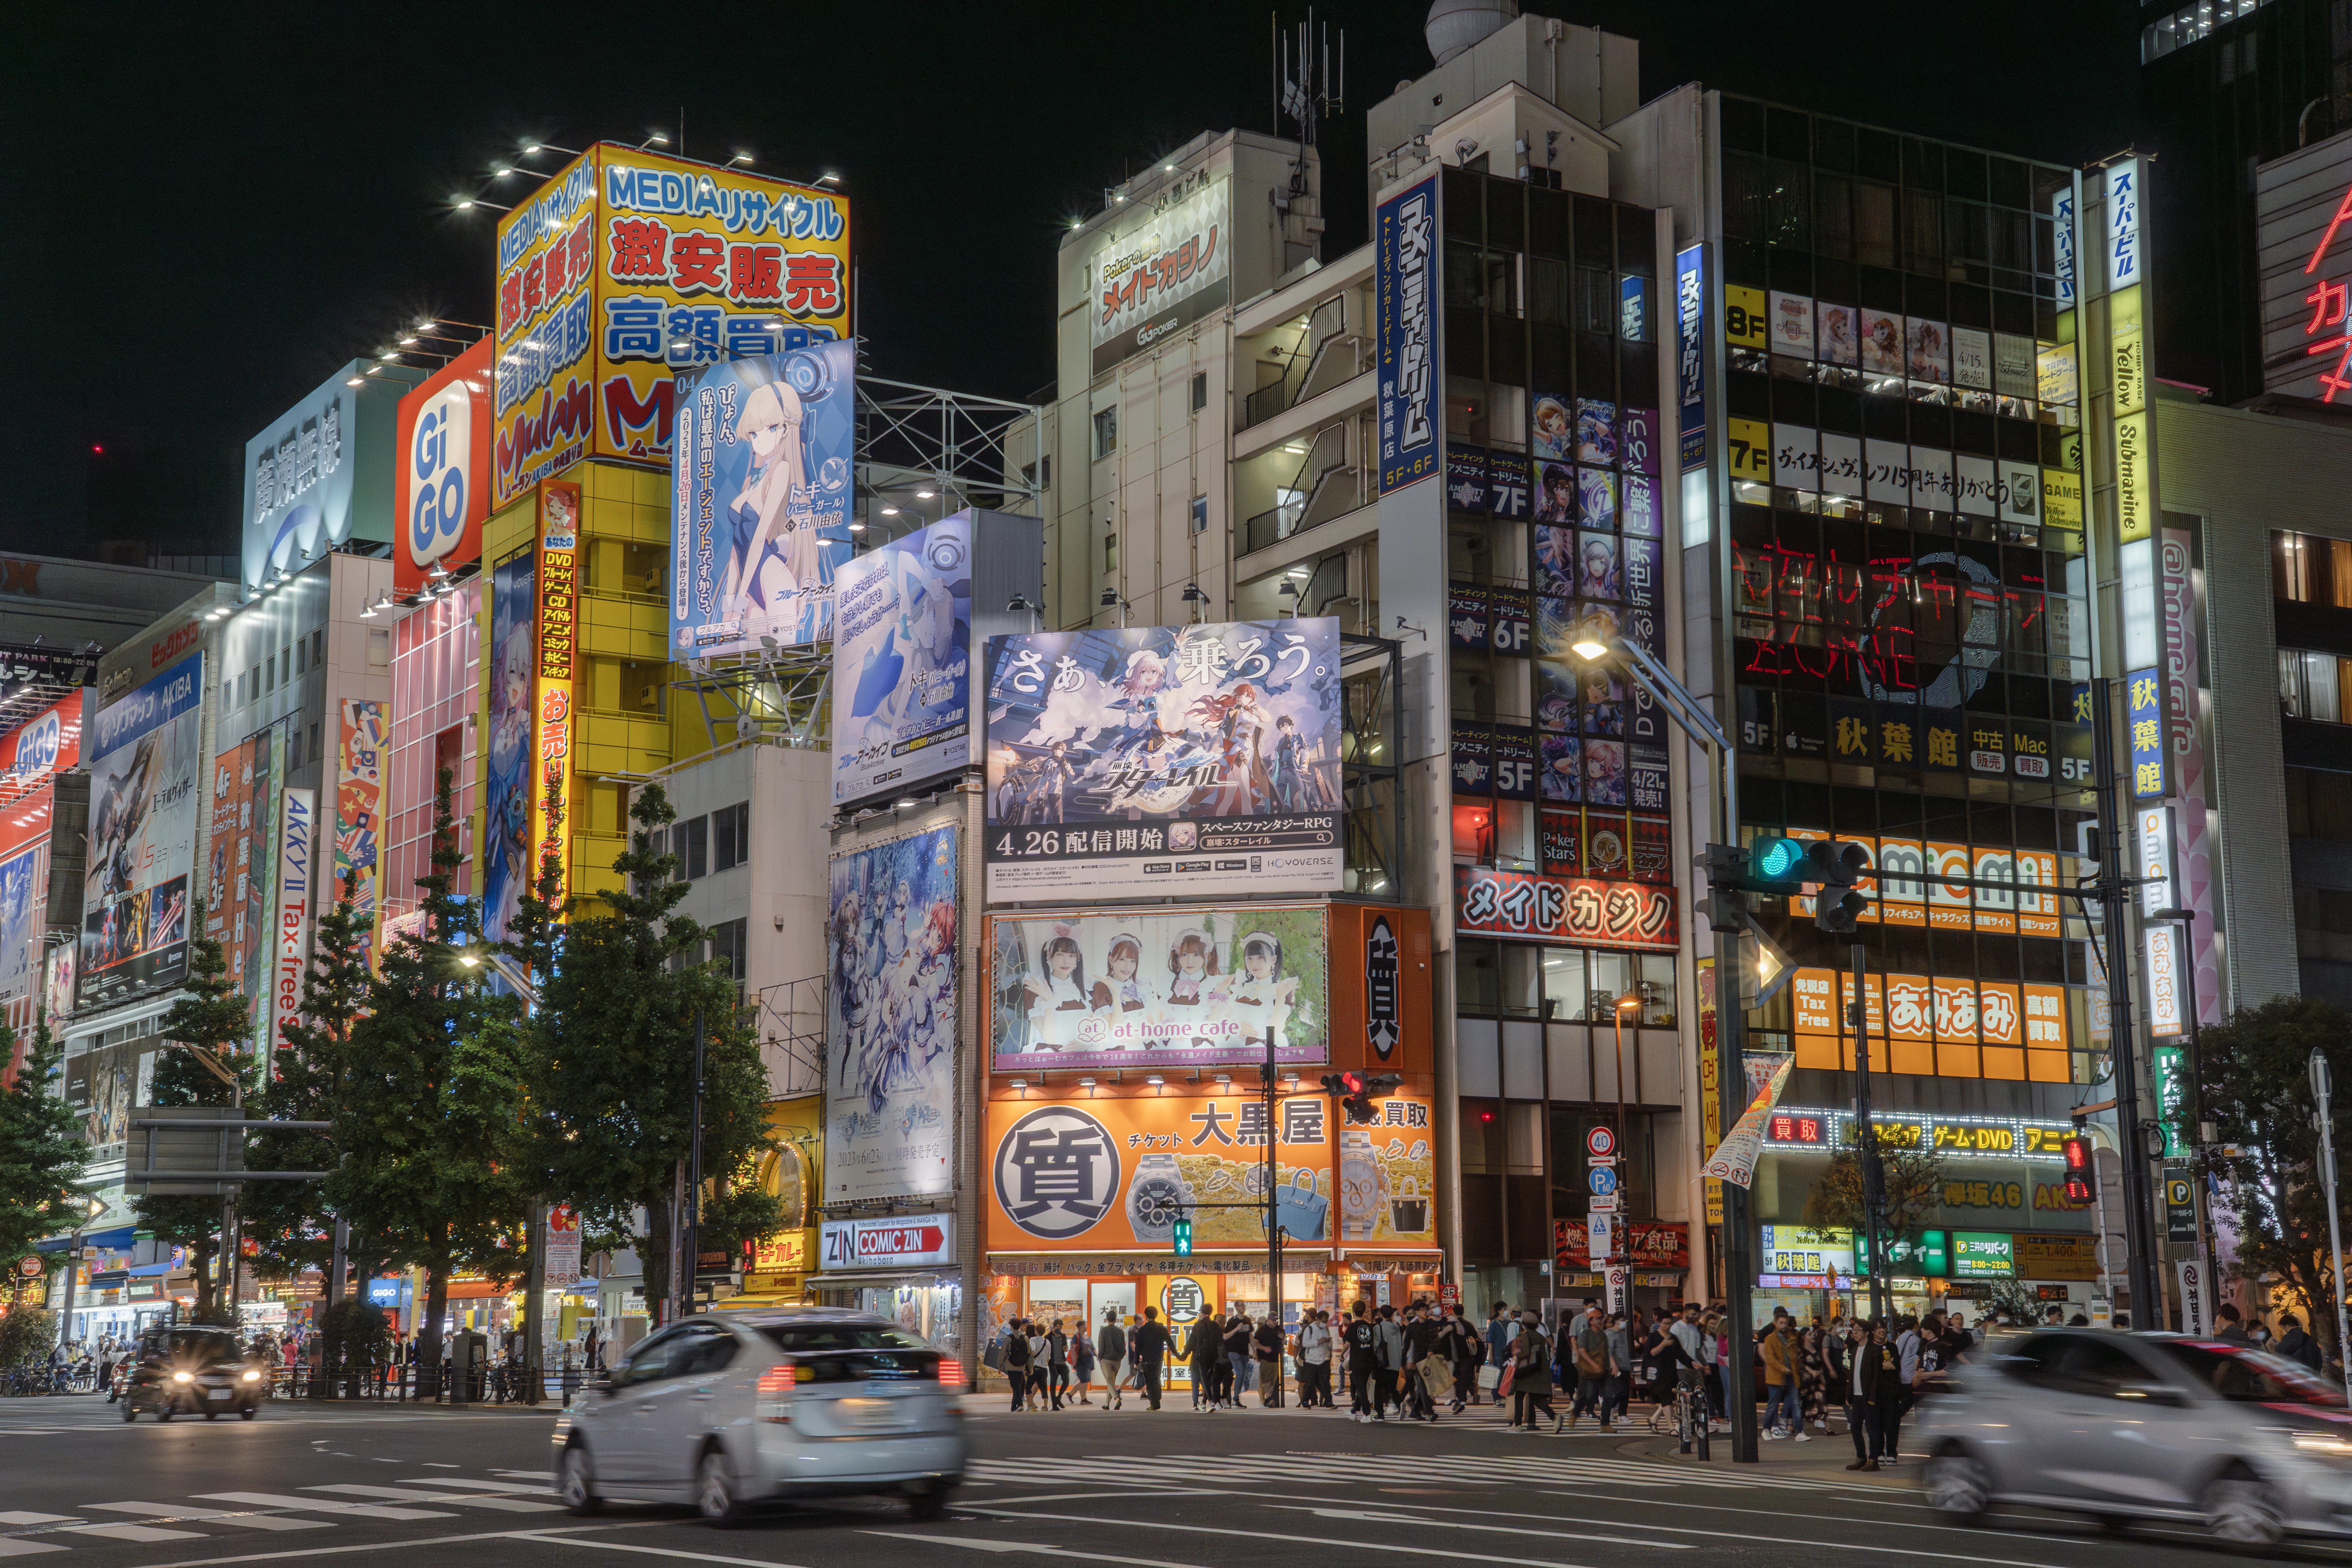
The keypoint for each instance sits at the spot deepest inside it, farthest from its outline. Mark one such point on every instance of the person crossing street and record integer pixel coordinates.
(1363, 1342)
(1110, 1351)
(1150, 1346)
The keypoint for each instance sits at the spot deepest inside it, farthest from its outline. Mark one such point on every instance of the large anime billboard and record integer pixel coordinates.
(902, 661)
(891, 1019)
(144, 791)
(1167, 760)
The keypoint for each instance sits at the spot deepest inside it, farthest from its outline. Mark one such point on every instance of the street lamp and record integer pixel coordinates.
(1731, 1021)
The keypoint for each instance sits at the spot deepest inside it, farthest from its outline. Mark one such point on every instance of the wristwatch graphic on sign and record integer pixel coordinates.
(1155, 1197)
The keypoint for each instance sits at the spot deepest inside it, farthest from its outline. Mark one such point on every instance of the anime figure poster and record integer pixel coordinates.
(21, 886)
(1182, 761)
(1182, 987)
(358, 810)
(902, 661)
(891, 1019)
(145, 789)
(513, 655)
(760, 499)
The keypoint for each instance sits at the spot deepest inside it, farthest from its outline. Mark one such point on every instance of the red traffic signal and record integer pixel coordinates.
(2079, 1186)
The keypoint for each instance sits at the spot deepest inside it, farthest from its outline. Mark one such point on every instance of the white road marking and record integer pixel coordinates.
(166, 1510)
(547, 1475)
(412, 1494)
(19, 1516)
(131, 1532)
(1379, 1516)
(655, 1551)
(8, 1543)
(313, 1505)
(1269, 1535)
(516, 1486)
(1029, 1546)
(16, 1546)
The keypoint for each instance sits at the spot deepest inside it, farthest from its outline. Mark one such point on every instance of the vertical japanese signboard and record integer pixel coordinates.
(2144, 708)
(1411, 411)
(298, 847)
(444, 490)
(1690, 351)
(559, 552)
(627, 267)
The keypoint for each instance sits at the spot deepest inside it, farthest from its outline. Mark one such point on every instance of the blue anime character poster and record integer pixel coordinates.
(891, 1019)
(19, 878)
(760, 499)
(512, 653)
(1206, 753)
(902, 661)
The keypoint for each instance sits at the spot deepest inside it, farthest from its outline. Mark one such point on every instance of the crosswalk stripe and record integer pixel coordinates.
(207, 1516)
(17, 1546)
(313, 1505)
(547, 1475)
(411, 1494)
(131, 1532)
(20, 1516)
(516, 1486)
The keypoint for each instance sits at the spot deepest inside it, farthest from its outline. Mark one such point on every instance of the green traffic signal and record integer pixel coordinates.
(1183, 1238)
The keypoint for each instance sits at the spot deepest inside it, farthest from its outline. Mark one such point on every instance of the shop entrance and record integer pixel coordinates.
(1104, 1295)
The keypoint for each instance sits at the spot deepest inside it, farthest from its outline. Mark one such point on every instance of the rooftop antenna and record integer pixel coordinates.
(1306, 88)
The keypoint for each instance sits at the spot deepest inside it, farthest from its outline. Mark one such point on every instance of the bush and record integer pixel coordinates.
(354, 1329)
(26, 1334)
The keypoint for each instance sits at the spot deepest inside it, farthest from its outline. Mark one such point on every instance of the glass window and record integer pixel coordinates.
(1563, 984)
(2319, 687)
(2290, 682)
(1522, 980)
(1475, 989)
(1657, 971)
(1612, 977)
(1106, 432)
(731, 830)
(1874, 224)
(2248, 1376)
(692, 840)
(1514, 834)
(2339, 572)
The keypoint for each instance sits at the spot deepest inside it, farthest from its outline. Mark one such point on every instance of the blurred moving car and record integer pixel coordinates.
(190, 1369)
(730, 1410)
(2124, 1426)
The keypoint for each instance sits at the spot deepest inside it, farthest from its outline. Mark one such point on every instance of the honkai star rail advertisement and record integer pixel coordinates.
(1176, 988)
(1171, 761)
(891, 1019)
(760, 500)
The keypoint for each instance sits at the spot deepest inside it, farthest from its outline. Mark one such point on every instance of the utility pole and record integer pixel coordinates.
(2139, 1224)
(1874, 1168)
(2321, 1084)
(691, 1262)
(534, 1305)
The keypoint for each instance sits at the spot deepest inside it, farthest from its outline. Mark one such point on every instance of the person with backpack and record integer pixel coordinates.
(1266, 1342)
(1363, 1342)
(1314, 1350)
(1016, 1361)
(1057, 1364)
(1110, 1350)
(1388, 1360)
(1082, 1360)
(1204, 1350)
(2296, 1345)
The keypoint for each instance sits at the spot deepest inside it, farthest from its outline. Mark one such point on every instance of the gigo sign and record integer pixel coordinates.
(888, 1242)
(444, 477)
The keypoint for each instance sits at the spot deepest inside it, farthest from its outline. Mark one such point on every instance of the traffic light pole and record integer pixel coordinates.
(2139, 1220)
(1874, 1169)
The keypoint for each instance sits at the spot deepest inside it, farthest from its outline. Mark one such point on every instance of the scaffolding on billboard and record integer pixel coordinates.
(1371, 741)
(923, 453)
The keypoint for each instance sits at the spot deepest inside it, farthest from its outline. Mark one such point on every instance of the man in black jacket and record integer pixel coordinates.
(1363, 1355)
(1150, 1344)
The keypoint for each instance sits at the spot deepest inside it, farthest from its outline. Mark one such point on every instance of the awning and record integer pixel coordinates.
(113, 1240)
(862, 1279)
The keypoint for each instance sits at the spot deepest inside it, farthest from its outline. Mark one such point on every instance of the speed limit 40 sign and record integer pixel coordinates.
(1601, 1143)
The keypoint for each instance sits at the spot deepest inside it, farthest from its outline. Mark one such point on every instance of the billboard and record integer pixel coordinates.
(1116, 1172)
(298, 847)
(443, 440)
(23, 890)
(891, 1019)
(558, 602)
(315, 478)
(1203, 760)
(1165, 268)
(359, 756)
(902, 660)
(1405, 246)
(1180, 988)
(46, 745)
(513, 658)
(627, 267)
(760, 499)
(145, 788)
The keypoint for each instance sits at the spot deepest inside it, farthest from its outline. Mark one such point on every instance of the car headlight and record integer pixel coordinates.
(2322, 1445)
(183, 1377)
(252, 1376)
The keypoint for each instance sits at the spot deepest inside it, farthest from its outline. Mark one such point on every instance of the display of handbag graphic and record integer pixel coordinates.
(1302, 1211)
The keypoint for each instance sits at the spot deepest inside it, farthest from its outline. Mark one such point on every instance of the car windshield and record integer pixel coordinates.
(186, 1344)
(806, 1338)
(2239, 1373)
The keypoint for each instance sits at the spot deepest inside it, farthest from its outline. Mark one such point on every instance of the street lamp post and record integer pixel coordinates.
(2322, 1082)
(1731, 1027)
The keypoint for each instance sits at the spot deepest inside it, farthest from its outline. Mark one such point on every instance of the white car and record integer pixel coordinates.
(2128, 1427)
(730, 1410)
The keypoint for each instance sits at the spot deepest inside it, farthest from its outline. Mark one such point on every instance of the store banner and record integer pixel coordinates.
(760, 495)
(443, 437)
(1647, 1244)
(559, 636)
(560, 1238)
(891, 1019)
(1491, 902)
(1203, 759)
(1176, 989)
(298, 847)
(1411, 420)
(1735, 1159)
(2196, 1295)
(1161, 267)
(899, 1242)
(1117, 1172)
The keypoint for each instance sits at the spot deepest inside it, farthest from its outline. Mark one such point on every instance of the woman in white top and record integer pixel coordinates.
(1260, 998)
(1061, 1004)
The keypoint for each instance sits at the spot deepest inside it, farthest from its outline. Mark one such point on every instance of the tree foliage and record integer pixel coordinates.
(2255, 1082)
(610, 1057)
(42, 1155)
(210, 1031)
(1913, 1182)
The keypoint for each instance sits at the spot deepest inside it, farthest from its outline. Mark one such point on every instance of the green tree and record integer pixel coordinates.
(26, 1334)
(288, 1222)
(611, 1066)
(2255, 1079)
(427, 1114)
(1914, 1180)
(42, 1155)
(207, 1034)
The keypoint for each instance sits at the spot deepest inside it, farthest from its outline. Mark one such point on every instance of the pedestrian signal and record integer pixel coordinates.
(1183, 1238)
(2079, 1189)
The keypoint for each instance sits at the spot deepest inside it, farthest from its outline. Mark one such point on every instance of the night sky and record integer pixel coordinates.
(209, 212)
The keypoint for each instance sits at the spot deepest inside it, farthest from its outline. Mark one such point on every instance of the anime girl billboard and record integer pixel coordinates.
(760, 499)
(891, 1019)
(902, 660)
(1182, 987)
(145, 786)
(1194, 752)
(513, 658)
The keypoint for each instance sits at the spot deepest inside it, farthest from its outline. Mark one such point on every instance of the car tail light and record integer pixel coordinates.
(951, 1373)
(776, 1393)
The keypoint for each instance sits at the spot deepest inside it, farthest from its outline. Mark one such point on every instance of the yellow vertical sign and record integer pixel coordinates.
(552, 728)
(2127, 360)
(1710, 1086)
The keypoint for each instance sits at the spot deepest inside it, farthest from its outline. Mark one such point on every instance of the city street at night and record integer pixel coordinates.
(1176, 1488)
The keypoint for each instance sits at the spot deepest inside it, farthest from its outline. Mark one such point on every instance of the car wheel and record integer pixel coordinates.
(2243, 1512)
(1958, 1484)
(164, 1413)
(577, 1483)
(930, 1505)
(714, 1490)
(247, 1413)
(129, 1411)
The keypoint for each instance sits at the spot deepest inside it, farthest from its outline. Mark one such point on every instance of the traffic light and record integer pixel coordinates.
(1356, 1090)
(2079, 1188)
(1182, 1236)
(1776, 864)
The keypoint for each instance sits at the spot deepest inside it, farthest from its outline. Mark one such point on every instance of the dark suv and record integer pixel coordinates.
(191, 1368)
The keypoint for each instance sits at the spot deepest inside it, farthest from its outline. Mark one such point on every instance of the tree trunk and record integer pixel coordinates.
(652, 1257)
(428, 1331)
(202, 1254)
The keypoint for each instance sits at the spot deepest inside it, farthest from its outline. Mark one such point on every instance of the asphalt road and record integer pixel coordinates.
(1282, 1488)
